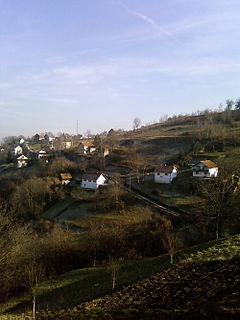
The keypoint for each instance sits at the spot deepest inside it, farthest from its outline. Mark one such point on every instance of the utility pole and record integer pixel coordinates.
(77, 127)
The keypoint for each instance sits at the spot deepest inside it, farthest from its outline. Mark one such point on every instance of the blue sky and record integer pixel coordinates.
(104, 62)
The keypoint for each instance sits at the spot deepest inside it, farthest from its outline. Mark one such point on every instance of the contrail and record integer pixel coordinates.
(144, 18)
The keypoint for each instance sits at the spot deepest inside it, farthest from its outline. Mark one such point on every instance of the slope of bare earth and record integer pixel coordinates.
(205, 290)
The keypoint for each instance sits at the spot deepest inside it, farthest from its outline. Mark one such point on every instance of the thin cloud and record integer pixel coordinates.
(60, 100)
(144, 18)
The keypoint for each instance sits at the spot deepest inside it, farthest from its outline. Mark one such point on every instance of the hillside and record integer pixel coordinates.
(206, 290)
(206, 280)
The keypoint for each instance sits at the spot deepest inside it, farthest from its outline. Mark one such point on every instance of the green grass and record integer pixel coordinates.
(35, 147)
(219, 250)
(86, 284)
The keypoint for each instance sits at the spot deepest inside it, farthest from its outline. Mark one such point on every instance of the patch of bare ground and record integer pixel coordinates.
(206, 290)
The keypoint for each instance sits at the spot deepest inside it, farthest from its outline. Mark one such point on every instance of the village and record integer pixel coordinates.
(86, 202)
(84, 149)
(100, 164)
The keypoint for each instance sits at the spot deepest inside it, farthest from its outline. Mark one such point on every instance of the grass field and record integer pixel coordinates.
(86, 284)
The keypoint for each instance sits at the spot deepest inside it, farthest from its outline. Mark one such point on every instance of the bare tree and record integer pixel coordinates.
(229, 104)
(237, 104)
(216, 192)
(136, 123)
(113, 265)
(169, 239)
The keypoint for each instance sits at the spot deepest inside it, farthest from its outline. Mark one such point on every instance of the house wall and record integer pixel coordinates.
(21, 164)
(101, 180)
(93, 184)
(18, 150)
(201, 171)
(160, 177)
(89, 184)
(65, 182)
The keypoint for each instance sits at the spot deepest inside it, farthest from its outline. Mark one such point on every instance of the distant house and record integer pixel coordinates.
(105, 152)
(66, 178)
(85, 147)
(43, 155)
(92, 180)
(38, 137)
(22, 161)
(205, 169)
(21, 141)
(165, 174)
(49, 137)
(112, 132)
(67, 144)
(17, 150)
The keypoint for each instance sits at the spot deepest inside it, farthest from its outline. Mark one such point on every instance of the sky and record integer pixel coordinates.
(105, 62)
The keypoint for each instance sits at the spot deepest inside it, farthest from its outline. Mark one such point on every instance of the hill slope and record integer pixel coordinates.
(206, 281)
(207, 290)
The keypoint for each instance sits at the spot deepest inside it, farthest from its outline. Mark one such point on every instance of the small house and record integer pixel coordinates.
(22, 161)
(66, 178)
(165, 174)
(68, 144)
(105, 152)
(17, 150)
(92, 180)
(86, 147)
(205, 169)
(43, 155)
(38, 137)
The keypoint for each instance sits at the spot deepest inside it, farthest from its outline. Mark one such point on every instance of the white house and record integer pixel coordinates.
(21, 141)
(165, 174)
(92, 180)
(205, 169)
(17, 150)
(22, 161)
(43, 155)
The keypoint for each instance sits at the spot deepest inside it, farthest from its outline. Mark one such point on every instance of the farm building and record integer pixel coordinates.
(165, 174)
(205, 169)
(92, 180)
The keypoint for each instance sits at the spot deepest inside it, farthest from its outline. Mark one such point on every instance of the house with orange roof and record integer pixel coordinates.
(66, 178)
(205, 169)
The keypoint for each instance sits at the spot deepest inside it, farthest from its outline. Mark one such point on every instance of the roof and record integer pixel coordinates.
(165, 168)
(42, 151)
(207, 163)
(22, 158)
(66, 176)
(41, 135)
(86, 144)
(91, 176)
